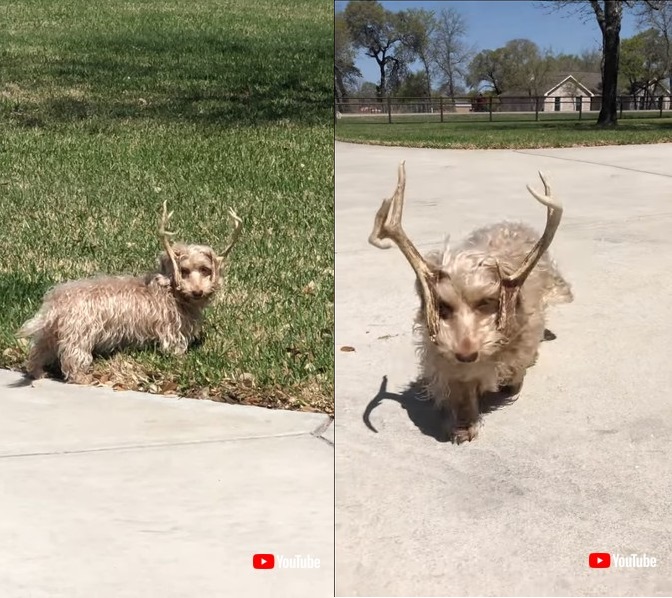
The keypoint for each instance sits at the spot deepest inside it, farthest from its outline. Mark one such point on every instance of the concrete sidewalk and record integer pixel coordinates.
(582, 461)
(122, 494)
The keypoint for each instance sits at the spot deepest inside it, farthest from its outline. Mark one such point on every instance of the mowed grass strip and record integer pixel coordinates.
(109, 109)
(502, 134)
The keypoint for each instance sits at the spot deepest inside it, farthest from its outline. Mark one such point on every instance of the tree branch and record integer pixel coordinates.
(599, 13)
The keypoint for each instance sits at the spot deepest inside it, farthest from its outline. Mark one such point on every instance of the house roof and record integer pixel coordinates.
(590, 82)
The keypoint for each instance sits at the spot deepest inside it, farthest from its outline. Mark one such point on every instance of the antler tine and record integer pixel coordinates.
(165, 239)
(510, 285)
(380, 236)
(237, 228)
(553, 218)
(387, 226)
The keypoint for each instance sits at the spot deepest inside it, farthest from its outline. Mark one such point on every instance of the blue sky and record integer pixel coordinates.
(492, 23)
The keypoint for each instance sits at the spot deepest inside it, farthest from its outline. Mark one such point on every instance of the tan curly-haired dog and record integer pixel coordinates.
(80, 318)
(483, 306)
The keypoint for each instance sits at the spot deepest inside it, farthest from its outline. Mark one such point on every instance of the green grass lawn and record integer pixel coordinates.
(511, 132)
(109, 108)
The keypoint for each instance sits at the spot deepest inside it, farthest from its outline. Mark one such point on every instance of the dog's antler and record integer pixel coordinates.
(165, 239)
(237, 228)
(387, 225)
(510, 285)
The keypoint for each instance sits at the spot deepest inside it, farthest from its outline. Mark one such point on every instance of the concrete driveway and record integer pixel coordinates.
(582, 461)
(121, 495)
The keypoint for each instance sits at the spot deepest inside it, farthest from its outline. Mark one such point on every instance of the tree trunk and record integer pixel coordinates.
(381, 88)
(341, 92)
(611, 41)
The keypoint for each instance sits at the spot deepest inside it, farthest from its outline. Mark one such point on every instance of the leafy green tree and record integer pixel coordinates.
(346, 73)
(517, 66)
(413, 86)
(658, 16)
(366, 90)
(488, 66)
(376, 31)
(643, 63)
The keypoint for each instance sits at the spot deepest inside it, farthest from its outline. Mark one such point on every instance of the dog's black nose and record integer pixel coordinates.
(197, 294)
(466, 357)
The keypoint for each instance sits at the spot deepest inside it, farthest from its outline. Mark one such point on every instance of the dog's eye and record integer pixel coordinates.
(487, 305)
(184, 272)
(205, 271)
(445, 311)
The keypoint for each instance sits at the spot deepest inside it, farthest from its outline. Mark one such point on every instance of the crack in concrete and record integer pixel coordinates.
(531, 153)
(321, 429)
(133, 447)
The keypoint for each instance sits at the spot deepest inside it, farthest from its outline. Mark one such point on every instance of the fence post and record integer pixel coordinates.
(389, 110)
(620, 111)
(441, 106)
(490, 107)
(580, 107)
(660, 102)
(536, 108)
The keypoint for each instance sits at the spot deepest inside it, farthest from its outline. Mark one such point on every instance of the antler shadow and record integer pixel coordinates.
(422, 412)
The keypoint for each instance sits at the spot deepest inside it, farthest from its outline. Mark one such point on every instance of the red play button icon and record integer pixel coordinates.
(599, 560)
(263, 561)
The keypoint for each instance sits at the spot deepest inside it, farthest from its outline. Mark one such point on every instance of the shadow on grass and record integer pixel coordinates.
(205, 79)
(18, 288)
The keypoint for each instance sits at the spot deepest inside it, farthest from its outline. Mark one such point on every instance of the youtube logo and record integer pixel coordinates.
(263, 561)
(599, 560)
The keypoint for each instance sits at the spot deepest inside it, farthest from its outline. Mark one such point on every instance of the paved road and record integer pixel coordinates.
(120, 495)
(582, 462)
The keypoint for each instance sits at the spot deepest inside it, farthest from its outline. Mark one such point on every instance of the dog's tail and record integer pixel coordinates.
(32, 326)
(559, 292)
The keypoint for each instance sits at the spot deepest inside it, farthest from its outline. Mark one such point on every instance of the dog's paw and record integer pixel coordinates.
(83, 379)
(460, 434)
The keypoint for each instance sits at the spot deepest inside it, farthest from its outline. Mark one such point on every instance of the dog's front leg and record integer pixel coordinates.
(463, 412)
(174, 344)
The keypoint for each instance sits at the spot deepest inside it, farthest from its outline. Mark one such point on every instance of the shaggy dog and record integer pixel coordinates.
(99, 315)
(483, 307)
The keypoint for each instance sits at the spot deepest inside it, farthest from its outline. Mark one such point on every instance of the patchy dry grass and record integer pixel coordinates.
(472, 134)
(108, 109)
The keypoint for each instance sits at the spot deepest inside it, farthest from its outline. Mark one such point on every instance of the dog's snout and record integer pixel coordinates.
(467, 357)
(197, 294)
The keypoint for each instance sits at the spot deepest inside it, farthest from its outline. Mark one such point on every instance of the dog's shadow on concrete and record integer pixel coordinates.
(422, 412)
(25, 380)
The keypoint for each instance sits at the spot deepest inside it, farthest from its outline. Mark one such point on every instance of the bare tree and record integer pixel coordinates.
(450, 54)
(417, 27)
